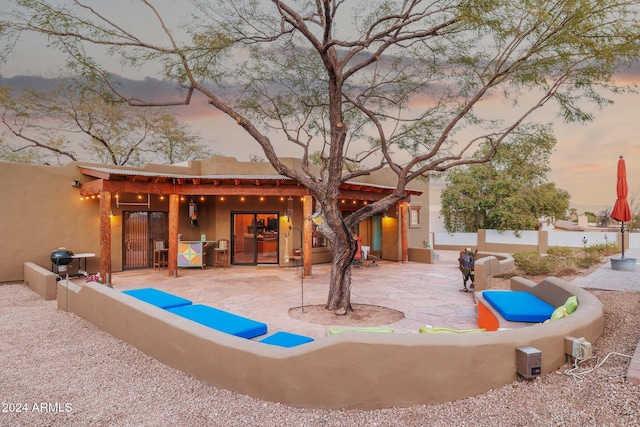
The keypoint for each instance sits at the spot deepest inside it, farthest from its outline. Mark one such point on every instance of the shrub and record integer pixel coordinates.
(588, 260)
(603, 249)
(533, 264)
(560, 252)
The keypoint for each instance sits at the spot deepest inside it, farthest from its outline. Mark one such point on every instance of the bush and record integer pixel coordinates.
(560, 251)
(533, 264)
(603, 250)
(560, 261)
(588, 260)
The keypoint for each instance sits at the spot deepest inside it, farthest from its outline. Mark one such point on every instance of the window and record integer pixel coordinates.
(414, 216)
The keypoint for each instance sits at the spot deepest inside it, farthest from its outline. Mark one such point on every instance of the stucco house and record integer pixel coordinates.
(117, 213)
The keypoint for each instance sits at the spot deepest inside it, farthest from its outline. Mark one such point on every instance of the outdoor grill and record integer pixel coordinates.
(61, 258)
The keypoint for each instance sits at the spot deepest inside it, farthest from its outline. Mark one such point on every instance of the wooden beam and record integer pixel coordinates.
(404, 228)
(307, 234)
(174, 216)
(105, 237)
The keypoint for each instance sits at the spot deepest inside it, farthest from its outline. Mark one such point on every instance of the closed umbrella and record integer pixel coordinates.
(621, 211)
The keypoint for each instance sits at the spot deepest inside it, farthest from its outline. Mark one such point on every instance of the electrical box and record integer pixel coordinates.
(528, 362)
(578, 348)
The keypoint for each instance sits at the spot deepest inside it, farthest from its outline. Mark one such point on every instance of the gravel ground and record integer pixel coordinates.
(57, 369)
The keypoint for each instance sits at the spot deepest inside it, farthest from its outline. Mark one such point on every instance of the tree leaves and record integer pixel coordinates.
(508, 193)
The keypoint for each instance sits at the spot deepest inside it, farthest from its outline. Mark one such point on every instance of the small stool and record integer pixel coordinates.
(160, 255)
(221, 254)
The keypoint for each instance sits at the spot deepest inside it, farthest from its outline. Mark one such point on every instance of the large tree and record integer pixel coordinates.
(407, 85)
(511, 192)
(80, 119)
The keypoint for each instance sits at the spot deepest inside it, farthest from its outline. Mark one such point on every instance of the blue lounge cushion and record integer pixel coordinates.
(519, 306)
(158, 298)
(221, 320)
(286, 339)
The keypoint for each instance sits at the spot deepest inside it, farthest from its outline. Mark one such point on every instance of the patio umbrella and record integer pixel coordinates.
(621, 211)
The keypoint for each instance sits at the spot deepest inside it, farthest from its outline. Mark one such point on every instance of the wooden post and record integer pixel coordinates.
(307, 235)
(174, 215)
(404, 226)
(105, 237)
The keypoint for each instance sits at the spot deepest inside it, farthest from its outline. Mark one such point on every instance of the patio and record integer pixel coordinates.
(426, 294)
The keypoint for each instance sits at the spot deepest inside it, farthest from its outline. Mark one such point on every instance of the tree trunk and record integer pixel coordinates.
(339, 298)
(344, 247)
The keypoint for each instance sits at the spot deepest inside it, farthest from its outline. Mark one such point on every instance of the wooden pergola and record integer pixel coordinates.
(109, 180)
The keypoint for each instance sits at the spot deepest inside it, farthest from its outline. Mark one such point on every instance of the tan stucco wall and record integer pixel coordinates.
(347, 370)
(42, 211)
(488, 265)
(40, 280)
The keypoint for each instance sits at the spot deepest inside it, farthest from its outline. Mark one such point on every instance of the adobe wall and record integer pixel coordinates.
(487, 265)
(40, 280)
(42, 211)
(348, 370)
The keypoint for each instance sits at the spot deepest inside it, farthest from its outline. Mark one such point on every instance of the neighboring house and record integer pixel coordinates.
(118, 212)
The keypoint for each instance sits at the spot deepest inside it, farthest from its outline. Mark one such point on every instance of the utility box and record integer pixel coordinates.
(528, 362)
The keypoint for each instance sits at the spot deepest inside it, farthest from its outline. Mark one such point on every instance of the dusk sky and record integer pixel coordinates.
(584, 162)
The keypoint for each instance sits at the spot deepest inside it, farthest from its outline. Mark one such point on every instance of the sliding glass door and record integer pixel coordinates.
(255, 238)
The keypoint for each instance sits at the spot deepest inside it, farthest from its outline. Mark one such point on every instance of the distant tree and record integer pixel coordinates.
(591, 217)
(174, 141)
(508, 193)
(603, 218)
(573, 214)
(408, 85)
(80, 119)
(634, 206)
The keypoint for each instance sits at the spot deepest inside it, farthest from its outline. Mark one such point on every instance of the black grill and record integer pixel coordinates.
(61, 257)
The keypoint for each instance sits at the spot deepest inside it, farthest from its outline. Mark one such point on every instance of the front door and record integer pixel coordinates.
(255, 238)
(139, 230)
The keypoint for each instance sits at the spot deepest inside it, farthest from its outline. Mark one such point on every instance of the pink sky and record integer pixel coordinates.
(584, 162)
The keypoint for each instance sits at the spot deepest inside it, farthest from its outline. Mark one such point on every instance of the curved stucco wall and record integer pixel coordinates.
(489, 264)
(347, 370)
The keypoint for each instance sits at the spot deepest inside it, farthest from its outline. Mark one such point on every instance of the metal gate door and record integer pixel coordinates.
(139, 230)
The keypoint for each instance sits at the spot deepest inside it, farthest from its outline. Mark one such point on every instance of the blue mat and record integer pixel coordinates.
(286, 339)
(221, 320)
(158, 298)
(517, 306)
